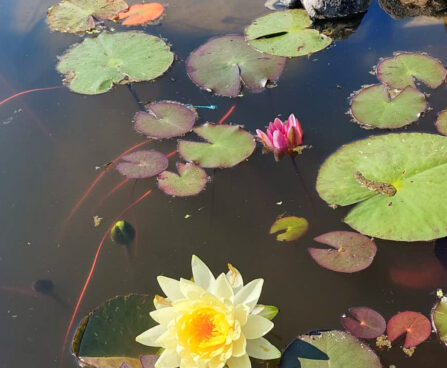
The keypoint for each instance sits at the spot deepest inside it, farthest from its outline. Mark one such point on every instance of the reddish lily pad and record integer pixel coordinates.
(139, 14)
(165, 119)
(365, 323)
(441, 122)
(415, 325)
(224, 64)
(142, 164)
(439, 318)
(352, 252)
(190, 180)
(295, 227)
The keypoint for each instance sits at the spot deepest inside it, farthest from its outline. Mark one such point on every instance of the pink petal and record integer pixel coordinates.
(279, 142)
(265, 139)
(292, 120)
(278, 124)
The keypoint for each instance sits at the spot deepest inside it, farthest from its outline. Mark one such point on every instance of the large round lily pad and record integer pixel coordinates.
(403, 69)
(106, 337)
(189, 181)
(286, 33)
(226, 146)
(439, 319)
(413, 164)
(365, 323)
(414, 325)
(78, 16)
(142, 164)
(96, 64)
(165, 119)
(224, 64)
(373, 107)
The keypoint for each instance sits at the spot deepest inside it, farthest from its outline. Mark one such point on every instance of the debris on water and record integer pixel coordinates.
(439, 293)
(383, 342)
(279, 203)
(122, 233)
(187, 216)
(8, 121)
(97, 220)
(43, 286)
(409, 351)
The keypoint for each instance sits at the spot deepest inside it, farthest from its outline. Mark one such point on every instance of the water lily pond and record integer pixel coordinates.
(136, 141)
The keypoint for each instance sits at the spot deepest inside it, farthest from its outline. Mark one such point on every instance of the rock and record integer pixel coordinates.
(339, 29)
(413, 8)
(282, 4)
(327, 9)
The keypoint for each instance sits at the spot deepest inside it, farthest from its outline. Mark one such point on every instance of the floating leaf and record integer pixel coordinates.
(141, 14)
(352, 252)
(190, 181)
(106, 337)
(78, 16)
(224, 64)
(439, 319)
(96, 64)
(373, 107)
(266, 311)
(165, 119)
(142, 164)
(401, 70)
(415, 325)
(414, 164)
(335, 349)
(295, 227)
(441, 122)
(286, 33)
(227, 146)
(365, 323)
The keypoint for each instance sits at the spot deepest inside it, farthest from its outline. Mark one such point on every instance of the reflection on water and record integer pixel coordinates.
(51, 149)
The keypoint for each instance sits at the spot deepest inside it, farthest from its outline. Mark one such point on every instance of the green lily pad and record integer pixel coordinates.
(403, 69)
(96, 64)
(190, 180)
(363, 172)
(227, 145)
(373, 107)
(286, 33)
(106, 337)
(439, 319)
(224, 64)
(78, 16)
(441, 122)
(295, 227)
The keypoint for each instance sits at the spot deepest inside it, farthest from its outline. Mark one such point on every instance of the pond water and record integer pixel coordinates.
(52, 143)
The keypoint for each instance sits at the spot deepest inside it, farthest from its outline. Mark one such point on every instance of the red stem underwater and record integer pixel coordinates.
(18, 94)
(225, 117)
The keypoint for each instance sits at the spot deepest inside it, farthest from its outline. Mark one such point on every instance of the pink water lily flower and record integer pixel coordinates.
(283, 137)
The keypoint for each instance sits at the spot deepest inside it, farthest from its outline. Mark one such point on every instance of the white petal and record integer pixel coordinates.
(256, 327)
(168, 359)
(164, 316)
(262, 349)
(222, 288)
(167, 340)
(240, 362)
(202, 274)
(239, 346)
(216, 363)
(235, 278)
(170, 287)
(149, 337)
(190, 289)
(249, 294)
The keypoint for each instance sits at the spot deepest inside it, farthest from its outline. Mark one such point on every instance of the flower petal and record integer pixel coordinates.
(262, 349)
(249, 294)
(239, 362)
(222, 287)
(256, 327)
(164, 315)
(190, 289)
(149, 337)
(201, 273)
(168, 359)
(241, 313)
(235, 278)
(170, 287)
(239, 346)
(279, 142)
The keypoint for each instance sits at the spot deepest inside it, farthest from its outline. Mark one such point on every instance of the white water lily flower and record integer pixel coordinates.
(209, 323)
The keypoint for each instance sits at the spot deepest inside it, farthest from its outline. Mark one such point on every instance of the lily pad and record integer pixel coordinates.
(403, 69)
(78, 16)
(142, 164)
(441, 122)
(439, 319)
(295, 227)
(415, 325)
(286, 33)
(139, 14)
(352, 252)
(373, 107)
(165, 119)
(365, 323)
(190, 180)
(414, 164)
(335, 349)
(96, 64)
(227, 145)
(106, 337)
(224, 64)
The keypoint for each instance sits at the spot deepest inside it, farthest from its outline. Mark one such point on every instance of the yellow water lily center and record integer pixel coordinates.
(210, 322)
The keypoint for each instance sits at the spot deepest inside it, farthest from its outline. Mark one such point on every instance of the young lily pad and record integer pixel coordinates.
(439, 319)
(142, 164)
(286, 33)
(413, 164)
(373, 107)
(441, 122)
(415, 325)
(78, 16)
(295, 227)
(106, 337)
(401, 70)
(352, 252)
(190, 180)
(227, 145)
(165, 119)
(224, 64)
(139, 14)
(365, 323)
(96, 64)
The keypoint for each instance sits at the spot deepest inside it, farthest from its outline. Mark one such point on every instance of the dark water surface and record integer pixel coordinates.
(51, 142)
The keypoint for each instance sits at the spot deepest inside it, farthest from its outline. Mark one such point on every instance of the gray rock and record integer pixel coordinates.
(413, 8)
(327, 9)
(282, 4)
